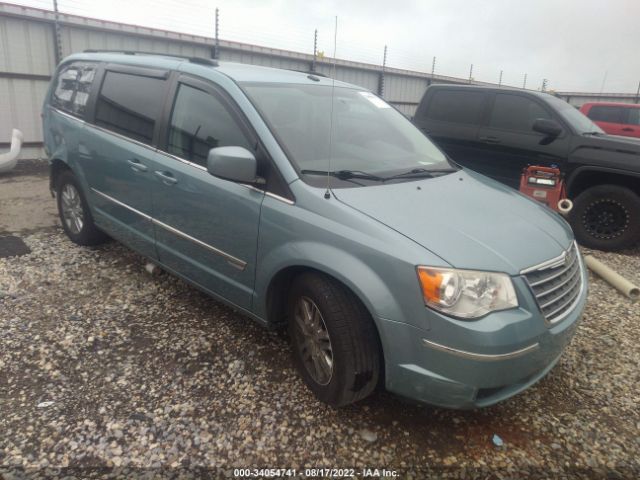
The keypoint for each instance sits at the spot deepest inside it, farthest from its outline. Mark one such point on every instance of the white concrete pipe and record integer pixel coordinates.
(565, 206)
(614, 279)
(8, 160)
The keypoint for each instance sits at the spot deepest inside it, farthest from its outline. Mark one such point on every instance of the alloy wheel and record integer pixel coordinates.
(313, 341)
(72, 211)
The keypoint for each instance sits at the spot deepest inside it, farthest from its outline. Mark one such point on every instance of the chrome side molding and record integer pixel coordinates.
(481, 356)
(233, 261)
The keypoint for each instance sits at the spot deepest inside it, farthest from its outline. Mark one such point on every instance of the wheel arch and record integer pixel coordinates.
(278, 271)
(276, 304)
(56, 167)
(278, 288)
(586, 177)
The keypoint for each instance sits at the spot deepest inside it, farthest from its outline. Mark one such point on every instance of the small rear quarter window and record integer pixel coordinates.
(72, 88)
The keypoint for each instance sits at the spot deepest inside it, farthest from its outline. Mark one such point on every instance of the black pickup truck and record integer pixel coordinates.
(499, 131)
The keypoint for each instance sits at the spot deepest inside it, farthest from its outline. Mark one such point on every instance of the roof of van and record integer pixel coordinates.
(239, 72)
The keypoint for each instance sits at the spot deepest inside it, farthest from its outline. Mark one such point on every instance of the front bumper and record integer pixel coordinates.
(469, 364)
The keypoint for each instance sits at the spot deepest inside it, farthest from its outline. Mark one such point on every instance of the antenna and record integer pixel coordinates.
(327, 194)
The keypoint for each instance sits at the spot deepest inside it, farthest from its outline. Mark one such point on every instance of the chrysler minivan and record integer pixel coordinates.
(313, 204)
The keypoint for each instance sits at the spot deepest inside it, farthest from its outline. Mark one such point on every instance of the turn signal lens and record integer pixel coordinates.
(466, 293)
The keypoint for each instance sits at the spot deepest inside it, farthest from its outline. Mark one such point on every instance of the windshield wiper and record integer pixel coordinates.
(345, 174)
(420, 172)
(595, 134)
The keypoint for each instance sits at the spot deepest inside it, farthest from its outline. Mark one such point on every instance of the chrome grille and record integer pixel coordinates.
(557, 285)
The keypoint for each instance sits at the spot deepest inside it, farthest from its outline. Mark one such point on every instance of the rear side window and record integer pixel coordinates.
(456, 106)
(603, 113)
(514, 112)
(634, 116)
(200, 122)
(130, 104)
(73, 86)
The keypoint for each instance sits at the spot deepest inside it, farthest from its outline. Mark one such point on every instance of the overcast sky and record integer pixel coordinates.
(582, 45)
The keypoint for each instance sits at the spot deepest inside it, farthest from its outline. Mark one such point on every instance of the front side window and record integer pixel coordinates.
(130, 105)
(456, 106)
(574, 117)
(514, 112)
(200, 122)
(366, 134)
(73, 86)
(602, 113)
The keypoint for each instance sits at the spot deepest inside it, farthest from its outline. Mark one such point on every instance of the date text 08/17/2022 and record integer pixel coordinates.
(314, 473)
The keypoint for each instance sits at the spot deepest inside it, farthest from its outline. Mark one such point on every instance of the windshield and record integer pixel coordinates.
(574, 117)
(369, 136)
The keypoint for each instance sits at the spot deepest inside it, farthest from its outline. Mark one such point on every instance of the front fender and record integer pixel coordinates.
(349, 270)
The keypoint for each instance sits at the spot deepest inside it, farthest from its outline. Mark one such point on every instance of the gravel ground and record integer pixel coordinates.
(106, 370)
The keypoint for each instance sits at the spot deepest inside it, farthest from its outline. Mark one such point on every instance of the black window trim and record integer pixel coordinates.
(135, 70)
(208, 86)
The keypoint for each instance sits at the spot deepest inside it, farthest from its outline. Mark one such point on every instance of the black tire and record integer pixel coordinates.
(88, 234)
(606, 217)
(354, 343)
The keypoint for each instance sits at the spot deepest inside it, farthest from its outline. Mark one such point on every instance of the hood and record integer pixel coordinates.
(468, 220)
(618, 143)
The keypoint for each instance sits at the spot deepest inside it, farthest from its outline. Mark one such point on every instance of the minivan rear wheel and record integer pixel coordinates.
(334, 341)
(606, 217)
(74, 212)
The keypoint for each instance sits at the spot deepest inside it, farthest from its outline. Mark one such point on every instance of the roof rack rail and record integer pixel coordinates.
(309, 72)
(198, 60)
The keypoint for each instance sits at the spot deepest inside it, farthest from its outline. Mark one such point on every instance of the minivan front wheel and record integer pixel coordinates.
(606, 217)
(74, 212)
(334, 342)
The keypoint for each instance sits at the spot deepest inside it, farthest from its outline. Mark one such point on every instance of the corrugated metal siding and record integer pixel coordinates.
(402, 88)
(20, 104)
(264, 60)
(367, 79)
(29, 153)
(26, 46)
(76, 39)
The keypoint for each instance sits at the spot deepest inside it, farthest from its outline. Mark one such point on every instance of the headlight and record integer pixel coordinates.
(466, 293)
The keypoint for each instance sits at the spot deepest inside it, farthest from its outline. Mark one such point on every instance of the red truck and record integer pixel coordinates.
(615, 118)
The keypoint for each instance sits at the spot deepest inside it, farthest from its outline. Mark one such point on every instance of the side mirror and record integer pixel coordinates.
(236, 164)
(547, 127)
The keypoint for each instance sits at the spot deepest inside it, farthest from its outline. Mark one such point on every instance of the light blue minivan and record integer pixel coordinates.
(315, 205)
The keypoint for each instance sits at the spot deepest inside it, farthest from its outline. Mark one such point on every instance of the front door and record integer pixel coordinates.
(507, 144)
(206, 228)
(119, 153)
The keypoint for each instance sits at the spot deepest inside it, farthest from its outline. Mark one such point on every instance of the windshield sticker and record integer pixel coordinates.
(378, 102)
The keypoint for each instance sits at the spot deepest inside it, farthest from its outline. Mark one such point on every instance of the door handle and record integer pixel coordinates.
(166, 177)
(136, 165)
(489, 139)
(627, 129)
